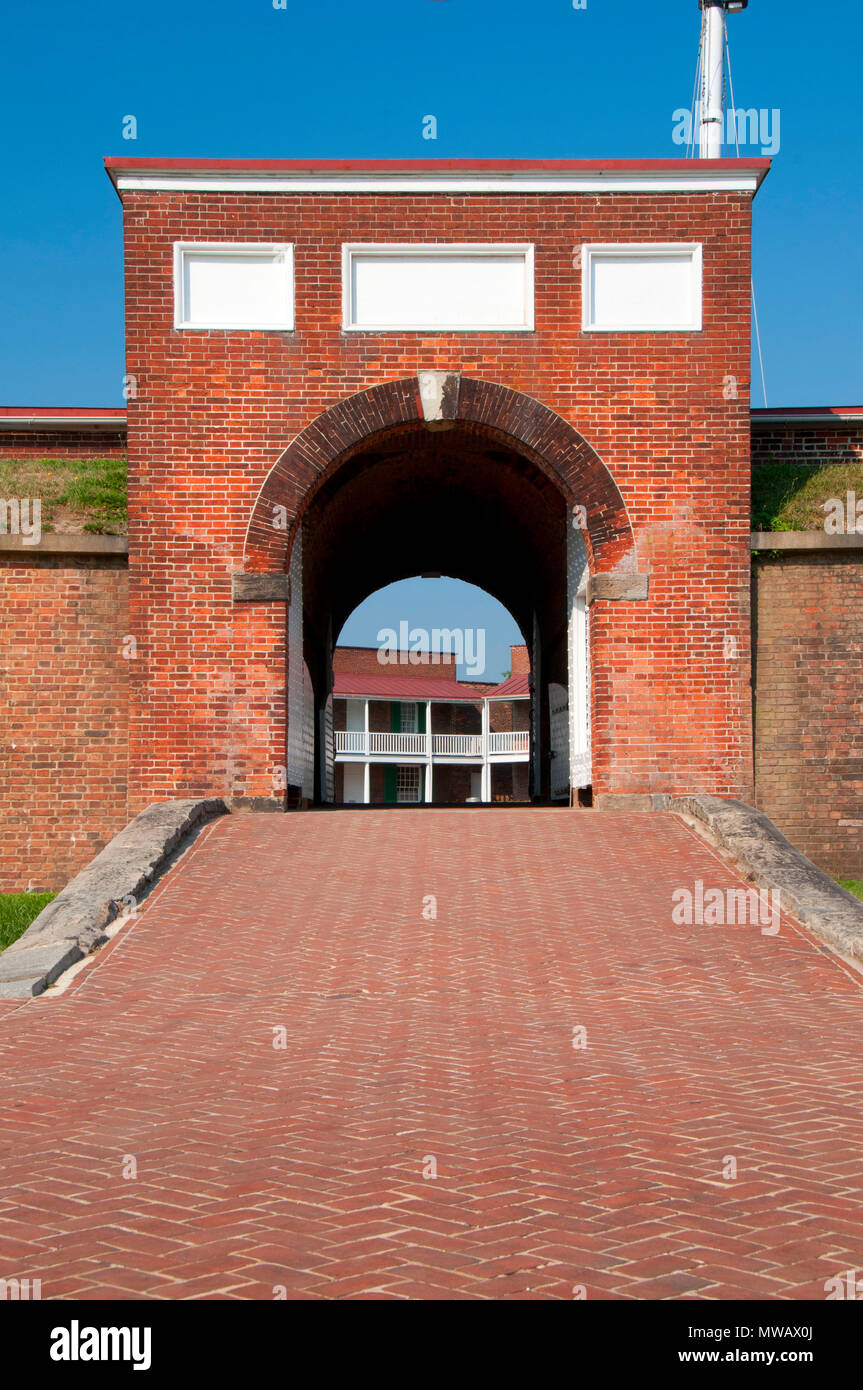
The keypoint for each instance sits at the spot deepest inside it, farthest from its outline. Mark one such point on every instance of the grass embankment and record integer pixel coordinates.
(17, 911)
(790, 496)
(90, 494)
(854, 885)
(76, 494)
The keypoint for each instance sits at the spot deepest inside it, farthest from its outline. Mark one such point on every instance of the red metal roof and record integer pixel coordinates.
(512, 689)
(398, 686)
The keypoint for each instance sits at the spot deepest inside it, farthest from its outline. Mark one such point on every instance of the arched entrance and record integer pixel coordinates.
(442, 474)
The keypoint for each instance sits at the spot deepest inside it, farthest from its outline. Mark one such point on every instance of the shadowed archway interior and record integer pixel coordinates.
(438, 500)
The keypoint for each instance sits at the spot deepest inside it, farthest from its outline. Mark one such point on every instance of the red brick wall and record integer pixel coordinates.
(795, 443)
(452, 783)
(508, 716)
(63, 715)
(63, 711)
(62, 444)
(364, 661)
(214, 411)
(809, 703)
(510, 782)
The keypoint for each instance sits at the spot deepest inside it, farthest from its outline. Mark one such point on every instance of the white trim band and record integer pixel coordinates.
(690, 179)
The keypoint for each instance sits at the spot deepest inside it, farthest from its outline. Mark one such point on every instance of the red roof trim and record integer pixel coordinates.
(513, 688)
(329, 166)
(772, 413)
(51, 412)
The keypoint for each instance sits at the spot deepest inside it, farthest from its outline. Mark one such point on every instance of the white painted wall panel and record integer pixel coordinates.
(580, 760)
(642, 288)
(298, 712)
(233, 286)
(465, 288)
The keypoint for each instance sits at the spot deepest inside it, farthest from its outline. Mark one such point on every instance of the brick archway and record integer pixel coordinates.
(543, 436)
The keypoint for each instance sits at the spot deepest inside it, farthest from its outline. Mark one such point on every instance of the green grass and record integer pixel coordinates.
(90, 494)
(76, 494)
(854, 885)
(17, 911)
(788, 496)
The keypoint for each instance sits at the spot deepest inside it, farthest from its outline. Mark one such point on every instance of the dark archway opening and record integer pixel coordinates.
(446, 498)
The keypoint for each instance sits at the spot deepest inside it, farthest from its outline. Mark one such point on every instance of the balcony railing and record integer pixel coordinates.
(443, 745)
(458, 745)
(509, 743)
(349, 741)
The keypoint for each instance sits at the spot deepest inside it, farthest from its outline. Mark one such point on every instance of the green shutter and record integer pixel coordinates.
(421, 717)
(395, 719)
(389, 784)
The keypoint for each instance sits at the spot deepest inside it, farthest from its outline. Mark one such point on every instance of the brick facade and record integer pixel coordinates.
(798, 442)
(63, 702)
(365, 661)
(63, 714)
(62, 444)
(229, 427)
(226, 426)
(808, 703)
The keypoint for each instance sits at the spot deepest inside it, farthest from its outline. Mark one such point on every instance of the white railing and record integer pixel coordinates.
(444, 745)
(509, 743)
(347, 741)
(458, 745)
(356, 741)
(397, 743)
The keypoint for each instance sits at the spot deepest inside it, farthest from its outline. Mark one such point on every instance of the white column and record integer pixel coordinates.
(712, 72)
(429, 750)
(367, 767)
(486, 768)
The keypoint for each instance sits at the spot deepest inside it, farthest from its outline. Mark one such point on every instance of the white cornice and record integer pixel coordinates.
(689, 179)
(802, 420)
(49, 423)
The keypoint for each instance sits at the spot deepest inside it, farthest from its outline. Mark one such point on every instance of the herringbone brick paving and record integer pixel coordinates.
(411, 1042)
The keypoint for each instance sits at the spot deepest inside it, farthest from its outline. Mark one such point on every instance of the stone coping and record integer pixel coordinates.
(52, 543)
(764, 856)
(804, 540)
(87, 544)
(74, 924)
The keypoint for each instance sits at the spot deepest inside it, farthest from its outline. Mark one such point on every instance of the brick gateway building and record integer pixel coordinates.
(531, 376)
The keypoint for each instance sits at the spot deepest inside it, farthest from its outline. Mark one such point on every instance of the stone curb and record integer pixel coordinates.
(73, 925)
(53, 543)
(804, 540)
(764, 855)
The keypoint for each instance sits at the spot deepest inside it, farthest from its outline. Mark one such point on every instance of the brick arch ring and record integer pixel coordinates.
(520, 420)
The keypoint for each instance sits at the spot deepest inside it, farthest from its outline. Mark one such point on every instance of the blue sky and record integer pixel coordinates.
(330, 77)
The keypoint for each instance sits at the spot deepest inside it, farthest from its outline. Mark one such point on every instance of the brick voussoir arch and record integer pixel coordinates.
(537, 431)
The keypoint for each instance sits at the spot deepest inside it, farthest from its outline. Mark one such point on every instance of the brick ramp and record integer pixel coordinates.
(408, 1039)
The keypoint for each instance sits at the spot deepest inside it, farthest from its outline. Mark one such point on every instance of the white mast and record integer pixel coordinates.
(712, 94)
